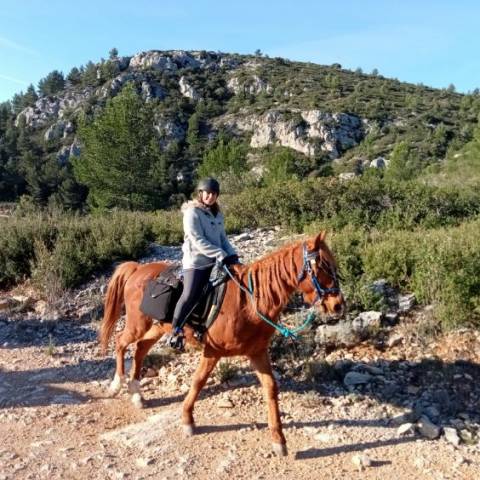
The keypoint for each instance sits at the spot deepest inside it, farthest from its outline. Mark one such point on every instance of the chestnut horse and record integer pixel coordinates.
(307, 267)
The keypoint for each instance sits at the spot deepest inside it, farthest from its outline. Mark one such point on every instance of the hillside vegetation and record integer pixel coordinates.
(99, 163)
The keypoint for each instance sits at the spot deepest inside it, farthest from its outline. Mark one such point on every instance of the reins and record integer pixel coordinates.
(308, 259)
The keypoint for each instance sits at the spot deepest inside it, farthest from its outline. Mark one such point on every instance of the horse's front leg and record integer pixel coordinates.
(263, 369)
(205, 367)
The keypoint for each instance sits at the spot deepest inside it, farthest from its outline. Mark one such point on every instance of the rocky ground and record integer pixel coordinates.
(397, 404)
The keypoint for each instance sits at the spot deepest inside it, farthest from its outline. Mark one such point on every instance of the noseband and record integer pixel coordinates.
(309, 260)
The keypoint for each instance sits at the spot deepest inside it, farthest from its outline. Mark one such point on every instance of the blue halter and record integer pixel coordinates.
(310, 259)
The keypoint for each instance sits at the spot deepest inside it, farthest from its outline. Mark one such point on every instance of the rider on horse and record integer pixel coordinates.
(205, 244)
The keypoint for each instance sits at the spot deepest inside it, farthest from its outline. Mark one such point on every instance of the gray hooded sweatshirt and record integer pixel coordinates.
(205, 240)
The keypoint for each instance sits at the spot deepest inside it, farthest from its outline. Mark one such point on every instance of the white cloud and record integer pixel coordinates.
(13, 79)
(6, 43)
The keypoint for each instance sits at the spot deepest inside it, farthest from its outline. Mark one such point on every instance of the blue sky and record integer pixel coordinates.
(430, 42)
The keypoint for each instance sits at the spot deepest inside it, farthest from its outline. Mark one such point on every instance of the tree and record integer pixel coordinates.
(30, 96)
(195, 123)
(451, 88)
(113, 54)
(11, 182)
(403, 164)
(108, 70)
(89, 77)
(17, 103)
(375, 72)
(258, 52)
(74, 77)
(51, 84)
(120, 151)
(225, 157)
(282, 165)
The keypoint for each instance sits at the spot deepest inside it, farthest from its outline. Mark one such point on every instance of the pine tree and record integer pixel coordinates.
(119, 154)
(74, 77)
(30, 96)
(89, 77)
(51, 84)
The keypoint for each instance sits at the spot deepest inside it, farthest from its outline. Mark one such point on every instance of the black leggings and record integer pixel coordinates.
(193, 282)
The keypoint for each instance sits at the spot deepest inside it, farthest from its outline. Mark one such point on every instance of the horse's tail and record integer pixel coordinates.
(114, 301)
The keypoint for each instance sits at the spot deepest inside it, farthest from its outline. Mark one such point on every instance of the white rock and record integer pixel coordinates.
(367, 319)
(144, 462)
(451, 436)
(225, 403)
(361, 461)
(405, 428)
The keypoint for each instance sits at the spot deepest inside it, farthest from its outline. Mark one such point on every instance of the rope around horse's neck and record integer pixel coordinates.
(285, 331)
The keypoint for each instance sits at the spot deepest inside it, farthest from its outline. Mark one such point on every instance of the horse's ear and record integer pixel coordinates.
(320, 238)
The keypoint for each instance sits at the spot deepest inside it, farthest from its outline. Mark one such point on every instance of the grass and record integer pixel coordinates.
(51, 349)
(226, 371)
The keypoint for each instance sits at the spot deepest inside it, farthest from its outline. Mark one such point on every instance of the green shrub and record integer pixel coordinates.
(60, 250)
(224, 157)
(363, 202)
(442, 267)
(17, 245)
(167, 227)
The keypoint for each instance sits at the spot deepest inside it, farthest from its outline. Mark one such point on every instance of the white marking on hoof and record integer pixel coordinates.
(188, 429)
(280, 449)
(137, 400)
(116, 385)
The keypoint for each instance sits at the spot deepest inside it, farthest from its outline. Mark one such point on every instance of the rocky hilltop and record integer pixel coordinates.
(321, 112)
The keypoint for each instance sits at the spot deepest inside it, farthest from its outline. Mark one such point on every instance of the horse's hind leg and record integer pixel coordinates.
(143, 347)
(122, 341)
(263, 369)
(205, 367)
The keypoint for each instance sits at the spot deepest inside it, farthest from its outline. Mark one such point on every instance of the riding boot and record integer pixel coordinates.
(176, 339)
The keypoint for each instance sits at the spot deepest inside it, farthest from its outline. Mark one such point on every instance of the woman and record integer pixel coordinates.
(205, 244)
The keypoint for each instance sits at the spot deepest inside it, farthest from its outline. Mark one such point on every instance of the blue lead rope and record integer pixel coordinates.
(285, 331)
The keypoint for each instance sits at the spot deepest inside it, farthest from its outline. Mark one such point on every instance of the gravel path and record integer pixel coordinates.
(348, 413)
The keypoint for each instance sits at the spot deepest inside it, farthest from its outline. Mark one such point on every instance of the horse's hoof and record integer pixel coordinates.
(115, 385)
(188, 429)
(137, 400)
(280, 449)
(113, 391)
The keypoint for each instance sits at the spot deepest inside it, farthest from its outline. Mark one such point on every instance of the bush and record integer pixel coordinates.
(363, 202)
(65, 249)
(441, 266)
(17, 245)
(224, 157)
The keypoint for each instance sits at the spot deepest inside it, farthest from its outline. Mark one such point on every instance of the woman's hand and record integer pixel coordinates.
(230, 260)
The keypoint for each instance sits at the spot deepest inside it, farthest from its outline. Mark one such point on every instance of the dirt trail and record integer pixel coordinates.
(55, 422)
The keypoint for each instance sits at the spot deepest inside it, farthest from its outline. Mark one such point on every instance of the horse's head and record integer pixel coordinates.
(318, 279)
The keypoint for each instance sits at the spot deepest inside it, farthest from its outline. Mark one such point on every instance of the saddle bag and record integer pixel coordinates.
(161, 295)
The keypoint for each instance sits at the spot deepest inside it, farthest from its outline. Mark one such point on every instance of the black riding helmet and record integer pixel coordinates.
(209, 184)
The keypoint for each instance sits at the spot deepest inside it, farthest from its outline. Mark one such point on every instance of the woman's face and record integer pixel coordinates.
(209, 198)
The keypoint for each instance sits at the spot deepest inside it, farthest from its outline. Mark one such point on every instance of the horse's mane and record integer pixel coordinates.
(275, 275)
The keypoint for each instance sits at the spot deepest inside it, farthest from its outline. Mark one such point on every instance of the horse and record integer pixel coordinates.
(246, 322)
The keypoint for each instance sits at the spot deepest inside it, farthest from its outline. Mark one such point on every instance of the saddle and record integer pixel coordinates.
(162, 293)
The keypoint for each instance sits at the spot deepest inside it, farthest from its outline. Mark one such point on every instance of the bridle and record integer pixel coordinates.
(309, 261)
